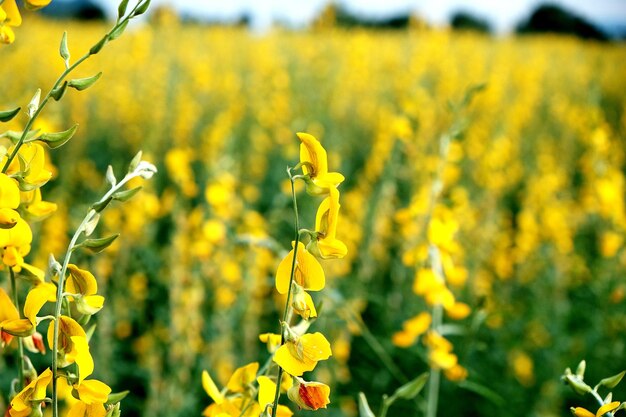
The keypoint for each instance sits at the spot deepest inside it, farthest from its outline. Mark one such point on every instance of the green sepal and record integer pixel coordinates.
(410, 390)
(57, 139)
(364, 407)
(64, 50)
(126, 195)
(117, 397)
(7, 115)
(81, 84)
(97, 245)
(59, 92)
(612, 381)
(580, 370)
(97, 47)
(16, 136)
(141, 9)
(121, 9)
(118, 31)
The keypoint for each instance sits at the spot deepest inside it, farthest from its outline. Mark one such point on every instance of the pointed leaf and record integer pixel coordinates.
(110, 176)
(580, 370)
(117, 32)
(34, 103)
(7, 115)
(612, 381)
(127, 194)
(97, 245)
(97, 47)
(117, 397)
(142, 8)
(64, 51)
(59, 92)
(121, 9)
(58, 139)
(135, 162)
(83, 83)
(364, 407)
(101, 205)
(410, 390)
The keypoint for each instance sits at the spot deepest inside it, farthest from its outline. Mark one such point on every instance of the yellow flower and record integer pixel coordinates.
(9, 16)
(34, 156)
(301, 355)
(23, 403)
(36, 4)
(84, 283)
(73, 346)
(16, 244)
(315, 166)
(267, 390)
(412, 329)
(10, 322)
(211, 389)
(303, 303)
(606, 408)
(272, 340)
(242, 377)
(309, 395)
(36, 208)
(308, 274)
(39, 295)
(326, 245)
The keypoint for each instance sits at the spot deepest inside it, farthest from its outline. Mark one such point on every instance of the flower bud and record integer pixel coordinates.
(309, 395)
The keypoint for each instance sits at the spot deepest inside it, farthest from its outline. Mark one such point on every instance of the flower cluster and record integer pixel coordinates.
(295, 351)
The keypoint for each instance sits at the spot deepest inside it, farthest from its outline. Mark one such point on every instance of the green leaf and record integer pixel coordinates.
(134, 163)
(117, 32)
(97, 245)
(121, 9)
(410, 390)
(364, 407)
(59, 92)
(58, 139)
(7, 115)
(64, 51)
(580, 370)
(97, 47)
(83, 83)
(117, 397)
(142, 8)
(126, 195)
(612, 381)
(101, 205)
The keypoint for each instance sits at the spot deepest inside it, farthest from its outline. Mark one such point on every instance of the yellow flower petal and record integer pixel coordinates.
(242, 377)
(607, 408)
(308, 274)
(303, 354)
(267, 390)
(37, 297)
(211, 389)
(80, 354)
(13, 14)
(92, 391)
(81, 281)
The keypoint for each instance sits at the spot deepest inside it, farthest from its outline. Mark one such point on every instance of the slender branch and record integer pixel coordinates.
(20, 342)
(61, 283)
(58, 83)
(293, 272)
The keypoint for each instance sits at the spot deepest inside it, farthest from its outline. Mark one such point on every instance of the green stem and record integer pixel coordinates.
(293, 272)
(20, 342)
(61, 282)
(601, 402)
(56, 84)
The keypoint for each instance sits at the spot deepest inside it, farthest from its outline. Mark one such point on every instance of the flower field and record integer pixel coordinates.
(482, 212)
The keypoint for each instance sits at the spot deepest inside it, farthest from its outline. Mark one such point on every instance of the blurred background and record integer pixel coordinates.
(533, 189)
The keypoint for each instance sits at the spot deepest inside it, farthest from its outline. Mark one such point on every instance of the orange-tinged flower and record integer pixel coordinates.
(308, 272)
(315, 166)
(23, 403)
(301, 355)
(309, 395)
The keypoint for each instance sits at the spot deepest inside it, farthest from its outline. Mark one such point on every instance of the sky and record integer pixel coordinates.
(502, 14)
